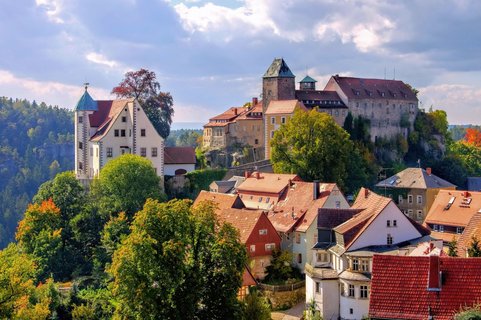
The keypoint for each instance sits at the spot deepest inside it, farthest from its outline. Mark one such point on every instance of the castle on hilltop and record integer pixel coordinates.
(388, 106)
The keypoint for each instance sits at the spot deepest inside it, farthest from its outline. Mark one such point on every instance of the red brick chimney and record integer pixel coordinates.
(434, 276)
(258, 175)
(246, 174)
(254, 102)
(428, 171)
(366, 193)
(235, 111)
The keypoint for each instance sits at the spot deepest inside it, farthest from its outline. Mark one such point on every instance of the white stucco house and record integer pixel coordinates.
(338, 280)
(179, 160)
(105, 129)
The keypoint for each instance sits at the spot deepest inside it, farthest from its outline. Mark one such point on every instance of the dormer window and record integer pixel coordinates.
(355, 264)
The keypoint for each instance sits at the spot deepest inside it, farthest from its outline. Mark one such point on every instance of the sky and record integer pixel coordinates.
(211, 55)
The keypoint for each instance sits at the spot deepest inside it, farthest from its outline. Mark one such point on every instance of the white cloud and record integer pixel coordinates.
(101, 59)
(50, 92)
(461, 102)
(53, 9)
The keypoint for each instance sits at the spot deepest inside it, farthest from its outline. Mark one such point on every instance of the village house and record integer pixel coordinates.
(106, 129)
(226, 186)
(451, 214)
(339, 279)
(422, 288)
(179, 160)
(221, 200)
(414, 191)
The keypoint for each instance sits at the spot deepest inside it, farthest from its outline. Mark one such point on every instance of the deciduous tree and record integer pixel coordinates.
(473, 137)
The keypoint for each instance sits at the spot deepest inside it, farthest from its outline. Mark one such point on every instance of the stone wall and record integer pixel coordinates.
(285, 299)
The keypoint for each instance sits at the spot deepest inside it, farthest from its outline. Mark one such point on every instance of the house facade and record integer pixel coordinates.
(107, 129)
(339, 279)
(414, 190)
(179, 160)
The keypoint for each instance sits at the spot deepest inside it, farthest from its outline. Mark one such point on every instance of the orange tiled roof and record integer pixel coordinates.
(230, 114)
(459, 212)
(284, 106)
(472, 230)
(267, 182)
(248, 115)
(105, 117)
(445, 236)
(243, 220)
(223, 200)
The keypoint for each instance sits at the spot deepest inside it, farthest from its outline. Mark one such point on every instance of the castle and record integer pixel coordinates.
(389, 106)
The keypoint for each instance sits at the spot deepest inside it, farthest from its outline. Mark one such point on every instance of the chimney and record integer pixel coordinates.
(428, 171)
(434, 275)
(258, 175)
(366, 193)
(254, 102)
(235, 111)
(315, 189)
(246, 174)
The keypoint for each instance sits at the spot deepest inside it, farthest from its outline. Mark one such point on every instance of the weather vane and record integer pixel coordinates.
(86, 84)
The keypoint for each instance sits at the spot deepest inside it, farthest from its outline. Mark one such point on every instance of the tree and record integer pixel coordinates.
(312, 145)
(469, 155)
(256, 306)
(473, 137)
(453, 248)
(473, 313)
(143, 86)
(175, 262)
(125, 183)
(280, 268)
(474, 250)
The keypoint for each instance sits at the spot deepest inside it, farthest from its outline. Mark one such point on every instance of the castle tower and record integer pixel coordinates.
(85, 107)
(278, 83)
(307, 84)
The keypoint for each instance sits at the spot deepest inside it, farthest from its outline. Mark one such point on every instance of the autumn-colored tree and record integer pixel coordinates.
(143, 86)
(175, 262)
(474, 249)
(473, 137)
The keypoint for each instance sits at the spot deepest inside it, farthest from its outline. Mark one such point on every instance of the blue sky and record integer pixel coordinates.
(211, 54)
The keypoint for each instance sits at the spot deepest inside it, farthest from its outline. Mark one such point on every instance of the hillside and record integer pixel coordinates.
(36, 142)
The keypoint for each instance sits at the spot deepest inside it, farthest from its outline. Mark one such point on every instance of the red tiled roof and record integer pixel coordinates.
(249, 114)
(179, 155)
(216, 124)
(284, 106)
(267, 182)
(230, 114)
(359, 88)
(104, 118)
(223, 200)
(399, 286)
(321, 99)
(243, 220)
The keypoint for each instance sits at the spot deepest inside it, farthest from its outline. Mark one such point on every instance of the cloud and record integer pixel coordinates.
(53, 9)
(101, 59)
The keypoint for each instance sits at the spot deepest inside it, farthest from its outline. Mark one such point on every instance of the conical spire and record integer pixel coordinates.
(86, 103)
(279, 69)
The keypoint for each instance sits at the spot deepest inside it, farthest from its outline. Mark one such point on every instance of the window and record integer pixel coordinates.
(142, 132)
(80, 145)
(389, 239)
(388, 223)
(365, 265)
(80, 119)
(441, 228)
(363, 292)
(91, 151)
(283, 120)
(419, 199)
(272, 134)
(109, 152)
(143, 152)
(154, 152)
(350, 292)
(394, 223)
(338, 204)
(318, 285)
(270, 246)
(351, 311)
(410, 212)
(116, 132)
(400, 199)
(298, 237)
(80, 166)
(253, 248)
(256, 141)
(267, 199)
(459, 230)
(419, 214)
(273, 120)
(260, 199)
(355, 264)
(262, 232)
(435, 227)
(124, 119)
(322, 257)
(299, 258)
(410, 198)
(122, 133)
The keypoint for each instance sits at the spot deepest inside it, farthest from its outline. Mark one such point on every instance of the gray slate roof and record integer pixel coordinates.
(86, 103)
(414, 178)
(279, 68)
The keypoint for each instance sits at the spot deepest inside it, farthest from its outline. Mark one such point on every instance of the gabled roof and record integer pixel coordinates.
(415, 178)
(223, 200)
(179, 155)
(249, 114)
(230, 114)
(399, 286)
(473, 229)
(104, 118)
(284, 106)
(267, 182)
(360, 88)
(243, 220)
(331, 218)
(307, 79)
(320, 98)
(86, 103)
(297, 208)
(454, 208)
(278, 69)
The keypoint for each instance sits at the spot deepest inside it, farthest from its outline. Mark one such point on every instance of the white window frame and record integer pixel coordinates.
(262, 232)
(400, 198)
(252, 248)
(419, 199)
(269, 246)
(283, 120)
(410, 198)
(364, 292)
(351, 290)
(273, 120)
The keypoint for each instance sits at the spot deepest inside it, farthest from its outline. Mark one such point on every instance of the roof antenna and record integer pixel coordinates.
(86, 84)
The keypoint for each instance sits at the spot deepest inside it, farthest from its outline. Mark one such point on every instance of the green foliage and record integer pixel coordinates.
(256, 306)
(36, 142)
(184, 138)
(125, 183)
(201, 179)
(93, 304)
(473, 313)
(452, 169)
(474, 249)
(468, 155)
(312, 145)
(280, 268)
(311, 313)
(175, 262)
(453, 248)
